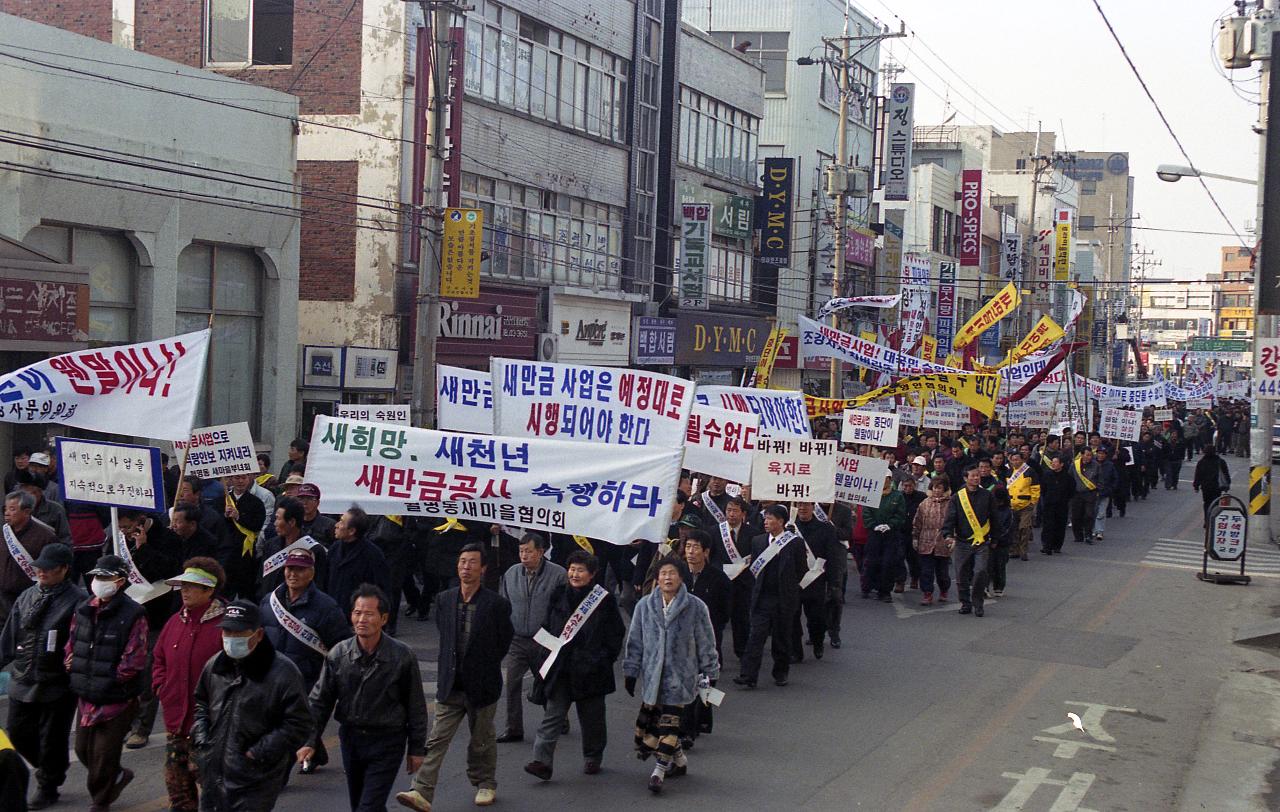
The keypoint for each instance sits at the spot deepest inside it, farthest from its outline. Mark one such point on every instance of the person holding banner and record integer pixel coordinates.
(189, 640)
(578, 669)
(778, 561)
(25, 537)
(969, 529)
(671, 655)
(41, 705)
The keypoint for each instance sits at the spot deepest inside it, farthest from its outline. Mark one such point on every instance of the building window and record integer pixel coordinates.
(248, 32)
(113, 273)
(1088, 187)
(717, 138)
(225, 282)
(769, 48)
(547, 237)
(521, 64)
(1084, 222)
(728, 270)
(861, 87)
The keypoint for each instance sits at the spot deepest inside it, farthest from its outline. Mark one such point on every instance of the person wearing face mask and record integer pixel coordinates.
(251, 716)
(106, 655)
(41, 704)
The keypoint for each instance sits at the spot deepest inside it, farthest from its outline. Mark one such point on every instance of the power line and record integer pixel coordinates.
(298, 76)
(1165, 121)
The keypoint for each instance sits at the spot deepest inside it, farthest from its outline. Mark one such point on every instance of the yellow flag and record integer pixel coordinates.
(1000, 305)
(450, 523)
(928, 348)
(1042, 335)
(769, 355)
(977, 391)
(866, 374)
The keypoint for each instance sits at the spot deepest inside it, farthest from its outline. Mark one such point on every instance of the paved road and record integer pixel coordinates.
(930, 710)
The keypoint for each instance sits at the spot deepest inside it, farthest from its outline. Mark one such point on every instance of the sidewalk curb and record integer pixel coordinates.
(1236, 767)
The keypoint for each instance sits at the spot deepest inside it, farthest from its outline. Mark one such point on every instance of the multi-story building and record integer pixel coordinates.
(1234, 318)
(1174, 311)
(169, 192)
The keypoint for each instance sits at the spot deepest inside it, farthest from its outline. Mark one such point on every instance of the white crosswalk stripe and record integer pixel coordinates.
(1187, 554)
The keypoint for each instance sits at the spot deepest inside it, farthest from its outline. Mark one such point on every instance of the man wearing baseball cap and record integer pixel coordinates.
(41, 704)
(251, 699)
(42, 464)
(314, 523)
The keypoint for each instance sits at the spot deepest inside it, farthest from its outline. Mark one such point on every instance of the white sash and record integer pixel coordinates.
(736, 565)
(816, 564)
(122, 550)
(140, 589)
(19, 553)
(571, 628)
(276, 561)
(820, 513)
(769, 552)
(305, 634)
(1016, 475)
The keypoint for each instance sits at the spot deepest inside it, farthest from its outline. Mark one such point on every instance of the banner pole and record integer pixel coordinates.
(115, 530)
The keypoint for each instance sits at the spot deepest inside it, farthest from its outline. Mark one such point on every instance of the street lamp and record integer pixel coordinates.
(1172, 173)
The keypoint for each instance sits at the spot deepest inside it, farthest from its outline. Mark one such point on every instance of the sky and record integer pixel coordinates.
(1056, 63)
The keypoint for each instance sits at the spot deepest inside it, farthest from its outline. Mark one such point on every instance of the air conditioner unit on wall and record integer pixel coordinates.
(548, 346)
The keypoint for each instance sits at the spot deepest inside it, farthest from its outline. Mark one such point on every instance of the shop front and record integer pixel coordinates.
(590, 330)
(719, 348)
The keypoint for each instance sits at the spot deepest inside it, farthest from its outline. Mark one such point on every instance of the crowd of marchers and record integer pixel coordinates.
(246, 620)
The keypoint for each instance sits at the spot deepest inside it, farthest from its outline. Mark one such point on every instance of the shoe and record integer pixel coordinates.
(655, 783)
(485, 796)
(999, 593)
(126, 775)
(590, 768)
(508, 738)
(978, 611)
(886, 598)
(413, 800)
(927, 600)
(1046, 552)
(542, 771)
(835, 641)
(136, 741)
(942, 596)
(677, 770)
(899, 588)
(915, 583)
(1097, 537)
(817, 651)
(781, 682)
(43, 799)
(989, 593)
(966, 609)
(686, 743)
(744, 682)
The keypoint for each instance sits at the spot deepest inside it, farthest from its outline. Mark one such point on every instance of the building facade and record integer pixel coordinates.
(181, 206)
(1236, 294)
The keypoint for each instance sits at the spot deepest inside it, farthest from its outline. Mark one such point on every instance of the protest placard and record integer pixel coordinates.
(721, 443)
(865, 426)
(464, 400)
(792, 470)
(217, 451)
(781, 413)
(146, 390)
(860, 480)
(1163, 415)
(374, 413)
(1121, 424)
(617, 494)
(949, 416)
(112, 474)
(583, 403)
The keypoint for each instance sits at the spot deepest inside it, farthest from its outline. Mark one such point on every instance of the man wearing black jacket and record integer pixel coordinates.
(1211, 478)
(820, 538)
(475, 632)
(775, 597)
(1057, 486)
(971, 529)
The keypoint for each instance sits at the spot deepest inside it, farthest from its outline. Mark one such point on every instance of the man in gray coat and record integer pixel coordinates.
(528, 586)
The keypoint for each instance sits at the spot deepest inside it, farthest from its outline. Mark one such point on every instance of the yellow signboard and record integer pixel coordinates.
(460, 253)
(1062, 249)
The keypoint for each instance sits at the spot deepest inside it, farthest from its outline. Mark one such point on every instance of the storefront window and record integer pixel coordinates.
(113, 273)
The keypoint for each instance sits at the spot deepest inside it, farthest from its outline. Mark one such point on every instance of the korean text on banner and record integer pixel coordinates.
(977, 391)
(944, 324)
(464, 400)
(1266, 372)
(460, 253)
(589, 404)
(999, 306)
(1149, 395)
(899, 118)
(617, 494)
(948, 416)
(218, 451)
(145, 390)
(824, 341)
(1042, 335)
(860, 480)
(1062, 247)
(842, 302)
(113, 474)
(768, 356)
(695, 232)
(376, 413)
(822, 407)
(1011, 257)
(721, 443)
(1121, 424)
(787, 470)
(781, 413)
(874, 428)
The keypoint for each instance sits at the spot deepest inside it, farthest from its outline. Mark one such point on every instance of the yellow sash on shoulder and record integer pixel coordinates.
(979, 532)
(246, 548)
(1088, 483)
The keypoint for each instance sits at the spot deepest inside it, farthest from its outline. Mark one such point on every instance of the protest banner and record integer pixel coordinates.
(780, 412)
(874, 428)
(1163, 415)
(583, 403)
(464, 400)
(721, 443)
(1041, 336)
(790, 470)
(1121, 424)
(218, 451)
(860, 480)
(768, 356)
(910, 415)
(950, 416)
(822, 407)
(841, 302)
(1150, 395)
(617, 494)
(374, 413)
(975, 390)
(1199, 403)
(146, 390)
(999, 306)
(111, 474)
(823, 341)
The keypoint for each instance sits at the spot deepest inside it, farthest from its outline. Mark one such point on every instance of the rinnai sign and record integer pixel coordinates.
(970, 218)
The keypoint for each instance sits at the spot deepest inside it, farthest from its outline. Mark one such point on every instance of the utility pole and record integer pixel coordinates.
(1262, 412)
(842, 172)
(438, 18)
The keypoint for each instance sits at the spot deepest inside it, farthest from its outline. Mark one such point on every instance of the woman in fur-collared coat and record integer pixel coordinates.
(670, 651)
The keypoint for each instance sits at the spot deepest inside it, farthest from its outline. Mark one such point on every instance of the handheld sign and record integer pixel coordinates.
(112, 474)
